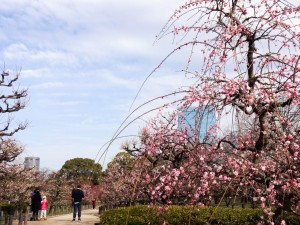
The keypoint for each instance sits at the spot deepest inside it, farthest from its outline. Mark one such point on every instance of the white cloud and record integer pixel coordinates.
(35, 73)
(93, 30)
(48, 85)
(113, 80)
(70, 103)
(20, 51)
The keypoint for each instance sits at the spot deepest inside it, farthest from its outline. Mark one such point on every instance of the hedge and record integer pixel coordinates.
(180, 215)
(186, 215)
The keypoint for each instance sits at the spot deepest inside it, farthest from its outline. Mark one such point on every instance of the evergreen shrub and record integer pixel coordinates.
(292, 219)
(180, 215)
(7, 208)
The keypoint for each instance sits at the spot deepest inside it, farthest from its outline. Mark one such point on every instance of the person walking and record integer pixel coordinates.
(36, 199)
(77, 195)
(44, 204)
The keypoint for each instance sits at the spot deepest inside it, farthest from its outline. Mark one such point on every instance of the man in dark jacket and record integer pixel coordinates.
(77, 195)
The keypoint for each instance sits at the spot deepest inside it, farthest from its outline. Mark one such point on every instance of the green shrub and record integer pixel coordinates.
(138, 215)
(177, 215)
(180, 215)
(8, 208)
(292, 219)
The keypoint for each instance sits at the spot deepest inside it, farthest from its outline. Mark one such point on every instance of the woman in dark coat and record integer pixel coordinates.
(36, 199)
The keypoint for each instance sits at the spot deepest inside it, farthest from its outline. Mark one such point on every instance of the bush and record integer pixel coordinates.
(137, 215)
(292, 219)
(8, 209)
(180, 215)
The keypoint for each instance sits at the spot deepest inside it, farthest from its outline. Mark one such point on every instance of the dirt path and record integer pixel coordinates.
(88, 217)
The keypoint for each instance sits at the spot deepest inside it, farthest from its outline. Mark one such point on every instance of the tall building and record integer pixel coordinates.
(32, 162)
(197, 121)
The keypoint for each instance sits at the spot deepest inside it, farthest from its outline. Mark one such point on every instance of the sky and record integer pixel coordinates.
(83, 63)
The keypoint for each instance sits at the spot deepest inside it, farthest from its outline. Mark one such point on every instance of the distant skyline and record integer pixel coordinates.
(83, 63)
(32, 163)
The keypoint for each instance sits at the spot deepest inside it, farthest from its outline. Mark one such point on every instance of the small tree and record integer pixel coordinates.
(58, 191)
(117, 185)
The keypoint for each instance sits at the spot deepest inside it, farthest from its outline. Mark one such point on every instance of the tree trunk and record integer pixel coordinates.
(8, 219)
(281, 211)
(20, 217)
(26, 217)
(227, 201)
(244, 201)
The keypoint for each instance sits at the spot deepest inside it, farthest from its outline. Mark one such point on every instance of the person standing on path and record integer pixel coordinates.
(36, 199)
(77, 195)
(44, 204)
(94, 203)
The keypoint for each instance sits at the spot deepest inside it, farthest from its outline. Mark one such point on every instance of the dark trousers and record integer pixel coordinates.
(77, 209)
(35, 215)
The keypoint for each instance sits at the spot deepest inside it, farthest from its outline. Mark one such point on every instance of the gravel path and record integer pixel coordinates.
(88, 217)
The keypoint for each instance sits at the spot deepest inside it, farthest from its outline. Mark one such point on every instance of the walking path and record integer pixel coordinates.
(88, 217)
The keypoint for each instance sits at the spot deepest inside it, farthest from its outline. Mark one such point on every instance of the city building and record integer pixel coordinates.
(197, 121)
(32, 162)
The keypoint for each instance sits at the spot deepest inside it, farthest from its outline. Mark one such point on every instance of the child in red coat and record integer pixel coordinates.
(44, 204)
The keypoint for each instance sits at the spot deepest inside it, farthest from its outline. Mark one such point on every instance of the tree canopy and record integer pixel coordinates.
(82, 169)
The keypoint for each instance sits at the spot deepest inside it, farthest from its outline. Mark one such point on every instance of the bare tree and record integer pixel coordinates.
(12, 99)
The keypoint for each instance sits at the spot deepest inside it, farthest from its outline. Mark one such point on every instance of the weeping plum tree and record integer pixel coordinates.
(244, 57)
